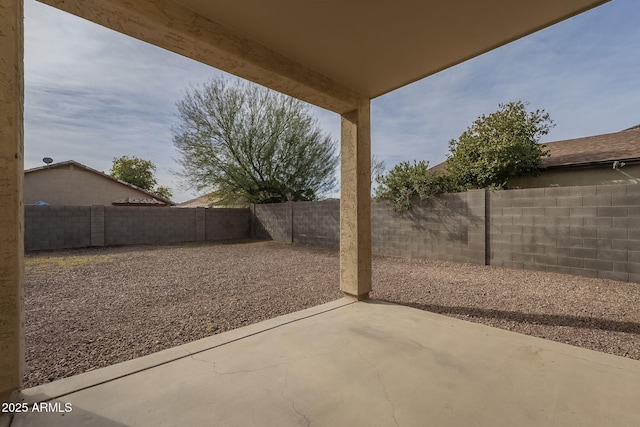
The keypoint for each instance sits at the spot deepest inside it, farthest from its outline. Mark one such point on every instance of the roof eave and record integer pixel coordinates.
(593, 165)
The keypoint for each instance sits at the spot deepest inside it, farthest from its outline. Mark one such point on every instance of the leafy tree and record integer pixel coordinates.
(248, 144)
(164, 192)
(408, 181)
(138, 172)
(499, 146)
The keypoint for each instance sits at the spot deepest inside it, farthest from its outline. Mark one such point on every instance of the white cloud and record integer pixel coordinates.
(93, 94)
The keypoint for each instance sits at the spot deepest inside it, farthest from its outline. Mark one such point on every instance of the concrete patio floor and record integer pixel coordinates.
(351, 363)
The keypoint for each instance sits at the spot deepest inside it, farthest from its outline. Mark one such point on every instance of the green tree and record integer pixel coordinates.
(164, 192)
(248, 144)
(407, 181)
(138, 172)
(499, 146)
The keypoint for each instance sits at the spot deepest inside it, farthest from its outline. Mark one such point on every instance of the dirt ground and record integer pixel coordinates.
(91, 308)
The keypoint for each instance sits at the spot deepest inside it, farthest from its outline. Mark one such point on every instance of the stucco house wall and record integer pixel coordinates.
(629, 174)
(73, 185)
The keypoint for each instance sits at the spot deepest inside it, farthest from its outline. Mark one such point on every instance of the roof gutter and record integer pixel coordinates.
(592, 165)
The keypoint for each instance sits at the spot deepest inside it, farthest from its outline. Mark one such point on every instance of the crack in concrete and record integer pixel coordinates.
(282, 391)
(293, 404)
(240, 371)
(384, 387)
(247, 371)
(10, 418)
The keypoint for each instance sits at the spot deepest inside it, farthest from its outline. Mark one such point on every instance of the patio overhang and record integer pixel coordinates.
(334, 54)
(327, 53)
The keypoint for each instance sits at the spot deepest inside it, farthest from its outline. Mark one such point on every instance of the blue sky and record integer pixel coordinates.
(92, 94)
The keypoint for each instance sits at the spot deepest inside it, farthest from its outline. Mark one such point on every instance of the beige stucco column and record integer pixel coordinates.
(355, 202)
(11, 206)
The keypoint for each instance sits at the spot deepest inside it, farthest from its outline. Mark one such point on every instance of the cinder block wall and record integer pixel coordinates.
(590, 231)
(437, 228)
(317, 223)
(64, 227)
(227, 224)
(273, 221)
(126, 225)
(57, 227)
(450, 227)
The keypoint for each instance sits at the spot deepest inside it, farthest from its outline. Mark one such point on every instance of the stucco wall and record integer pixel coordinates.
(71, 186)
(564, 177)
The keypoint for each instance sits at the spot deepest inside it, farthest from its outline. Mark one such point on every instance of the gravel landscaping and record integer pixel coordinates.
(91, 308)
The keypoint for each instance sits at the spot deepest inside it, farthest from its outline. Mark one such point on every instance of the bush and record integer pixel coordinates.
(499, 146)
(409, 181)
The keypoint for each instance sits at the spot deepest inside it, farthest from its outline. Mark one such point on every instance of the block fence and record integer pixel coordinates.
(63, 227)
(450, 227)
(591, 231)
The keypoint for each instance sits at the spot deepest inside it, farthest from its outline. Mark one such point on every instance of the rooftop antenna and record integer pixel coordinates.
(47, 160)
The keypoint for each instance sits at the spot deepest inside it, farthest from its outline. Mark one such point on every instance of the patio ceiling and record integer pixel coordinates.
(376, 46)
(328, 53)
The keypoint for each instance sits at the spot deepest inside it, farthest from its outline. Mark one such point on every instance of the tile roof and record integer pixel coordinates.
(138, 201)
(589, 150)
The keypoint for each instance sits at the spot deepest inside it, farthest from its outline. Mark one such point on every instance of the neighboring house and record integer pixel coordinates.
(199, 202)
(207, 201)
(586, 161)
(73, 184)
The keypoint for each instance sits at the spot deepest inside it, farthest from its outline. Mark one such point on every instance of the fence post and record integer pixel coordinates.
(477, 228)
(252, 222)
(201, 224)
(290, 222)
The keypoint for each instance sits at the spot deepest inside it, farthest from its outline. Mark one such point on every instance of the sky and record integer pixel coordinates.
(92, 94)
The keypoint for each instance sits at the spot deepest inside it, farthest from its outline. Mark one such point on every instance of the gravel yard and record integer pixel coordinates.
(94, 307)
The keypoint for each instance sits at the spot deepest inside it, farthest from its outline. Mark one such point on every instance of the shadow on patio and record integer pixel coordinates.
(584, 322)
(357, 364)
